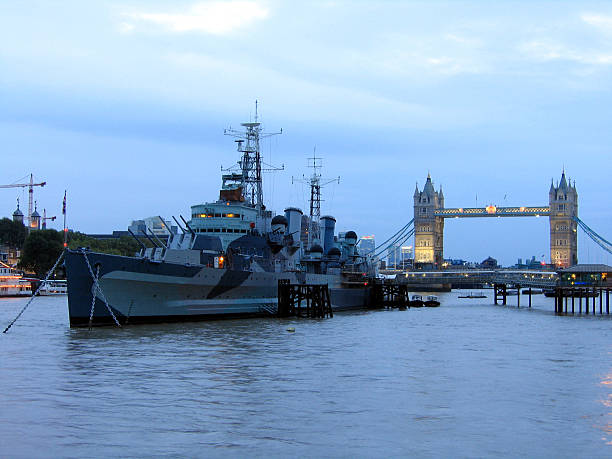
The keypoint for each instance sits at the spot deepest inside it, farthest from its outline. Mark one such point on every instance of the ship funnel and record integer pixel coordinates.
(294, 220)
(328, 225)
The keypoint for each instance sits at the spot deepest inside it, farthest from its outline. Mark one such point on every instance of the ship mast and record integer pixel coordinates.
(251, 164)
(315, 182)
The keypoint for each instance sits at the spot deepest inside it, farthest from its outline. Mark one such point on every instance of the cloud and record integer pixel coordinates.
(126, 27)
(213, 17)
(546, 50)
(598, 20)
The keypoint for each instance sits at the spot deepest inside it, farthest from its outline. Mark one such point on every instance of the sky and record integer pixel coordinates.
(123, 104)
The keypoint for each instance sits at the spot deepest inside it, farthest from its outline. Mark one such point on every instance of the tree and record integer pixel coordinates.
(12, 233)
(124, 245)
(40, 251)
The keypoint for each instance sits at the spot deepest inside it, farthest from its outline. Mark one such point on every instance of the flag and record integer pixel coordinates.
(64, 205)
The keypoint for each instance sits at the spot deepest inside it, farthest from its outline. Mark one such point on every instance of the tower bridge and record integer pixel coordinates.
(562, 211)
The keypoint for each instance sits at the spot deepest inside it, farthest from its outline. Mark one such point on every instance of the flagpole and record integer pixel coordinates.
(65, 229)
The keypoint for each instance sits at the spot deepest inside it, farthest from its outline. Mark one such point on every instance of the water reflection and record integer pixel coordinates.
(607, 402)
(467, 378)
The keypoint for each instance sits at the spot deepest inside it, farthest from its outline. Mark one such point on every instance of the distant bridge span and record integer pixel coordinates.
(492, 211)
(429, 215)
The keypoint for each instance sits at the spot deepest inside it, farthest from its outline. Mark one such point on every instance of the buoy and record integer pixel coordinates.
(291, 329)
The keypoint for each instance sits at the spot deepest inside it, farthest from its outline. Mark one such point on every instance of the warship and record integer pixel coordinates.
(226, 261)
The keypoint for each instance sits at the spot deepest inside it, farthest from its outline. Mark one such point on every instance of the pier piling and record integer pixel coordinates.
(291, 296)
(565, 295)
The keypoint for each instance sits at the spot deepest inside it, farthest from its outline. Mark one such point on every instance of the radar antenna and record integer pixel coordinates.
(248, 171)
(316, 182)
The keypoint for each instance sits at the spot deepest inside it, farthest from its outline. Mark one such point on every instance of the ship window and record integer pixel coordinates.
(216, 230)
(217, 215)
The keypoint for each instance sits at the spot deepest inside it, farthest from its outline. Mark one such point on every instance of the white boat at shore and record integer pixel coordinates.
(54, 287)
(12, 282)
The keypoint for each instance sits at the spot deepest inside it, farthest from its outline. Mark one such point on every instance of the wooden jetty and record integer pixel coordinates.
(303, 300)
(389, 295)
(568, 300)
(502, 291)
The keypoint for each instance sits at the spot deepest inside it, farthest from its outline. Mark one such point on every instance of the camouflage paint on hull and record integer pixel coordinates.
(141, 291)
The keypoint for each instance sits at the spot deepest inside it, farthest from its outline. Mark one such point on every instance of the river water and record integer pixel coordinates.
(467, 379)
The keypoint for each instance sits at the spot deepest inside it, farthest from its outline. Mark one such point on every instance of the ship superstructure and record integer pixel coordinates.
(240, 207)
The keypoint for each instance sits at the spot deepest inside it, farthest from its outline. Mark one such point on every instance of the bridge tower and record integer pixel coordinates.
(563, 200)
(428, 229)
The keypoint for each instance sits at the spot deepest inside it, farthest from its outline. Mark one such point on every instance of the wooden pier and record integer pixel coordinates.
(501, 293)
(317, 303)
(389, 295)
(572, 300)
(568, 300)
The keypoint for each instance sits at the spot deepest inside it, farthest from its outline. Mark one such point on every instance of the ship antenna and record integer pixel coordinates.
(250, 168)
(315, 182)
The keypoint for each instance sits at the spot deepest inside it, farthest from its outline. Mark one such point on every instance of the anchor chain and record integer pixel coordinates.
(44, 282)
(97, 288)
(93, 298)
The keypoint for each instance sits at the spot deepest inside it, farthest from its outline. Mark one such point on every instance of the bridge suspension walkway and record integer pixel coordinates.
(401, 236)
(598, 239)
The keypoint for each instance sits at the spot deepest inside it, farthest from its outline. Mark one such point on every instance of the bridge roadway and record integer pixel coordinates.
(492, 211)
(471, 278)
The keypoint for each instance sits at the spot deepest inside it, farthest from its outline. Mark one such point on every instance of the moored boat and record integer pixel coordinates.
(416, 301)
(12, 282)
(53, 287)
(431, 301)
(473, 296)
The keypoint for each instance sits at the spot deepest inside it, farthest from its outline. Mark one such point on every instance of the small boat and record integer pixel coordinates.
(471, 295)
(54, 287)
(416, 301)
(532, 291)
(431, 301)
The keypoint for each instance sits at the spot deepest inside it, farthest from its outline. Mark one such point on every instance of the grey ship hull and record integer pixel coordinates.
(139, 290)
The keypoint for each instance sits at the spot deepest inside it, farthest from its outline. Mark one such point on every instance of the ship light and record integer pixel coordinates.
(491, 209)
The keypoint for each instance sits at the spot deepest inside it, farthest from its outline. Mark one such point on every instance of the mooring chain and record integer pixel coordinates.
(98, 288)
(93, 297)
(44, 282)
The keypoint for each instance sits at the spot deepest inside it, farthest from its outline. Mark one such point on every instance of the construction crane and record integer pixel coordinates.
(45, 218)
(30, 186)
